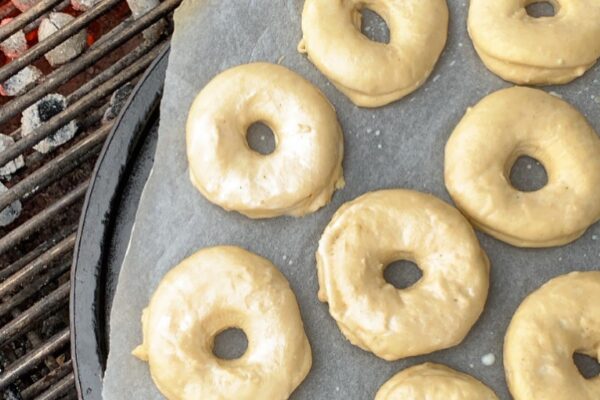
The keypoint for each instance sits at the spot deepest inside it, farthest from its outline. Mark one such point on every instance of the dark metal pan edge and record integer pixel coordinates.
(86, 302)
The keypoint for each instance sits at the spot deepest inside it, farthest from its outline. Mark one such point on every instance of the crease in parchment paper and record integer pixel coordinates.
(174, 220)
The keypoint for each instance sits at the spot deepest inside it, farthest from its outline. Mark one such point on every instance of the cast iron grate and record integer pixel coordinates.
(123, 38)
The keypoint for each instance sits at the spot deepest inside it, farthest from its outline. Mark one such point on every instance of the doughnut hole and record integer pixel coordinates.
(540, 9)
(402, 274)
(588, 367)
(374, 27)
(528, 174)
(261, 138)
(230, 344)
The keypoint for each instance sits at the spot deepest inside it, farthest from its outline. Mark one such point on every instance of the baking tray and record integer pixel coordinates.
(105, 226)
(107, 221)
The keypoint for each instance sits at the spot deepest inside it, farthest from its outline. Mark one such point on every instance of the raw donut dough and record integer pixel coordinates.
(433, 382)
(538, 51)
(374, 74)
(554, 322)
(367, 234)
(488, 140)
(302, 173)
(215, 289)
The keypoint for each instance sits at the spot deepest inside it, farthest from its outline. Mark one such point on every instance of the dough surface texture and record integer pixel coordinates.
(484, 146)
(373, 74)
(378, 228)
(536, 51)
(303, 171)
(215, 289)
(554, 322)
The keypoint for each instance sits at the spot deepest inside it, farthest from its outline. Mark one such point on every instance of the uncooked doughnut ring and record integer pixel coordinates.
(517, 122)
(305, 168)
(433, 382)
(212, 290)
(536, 51)
(373, 74)
(370, 232)
(554, 322)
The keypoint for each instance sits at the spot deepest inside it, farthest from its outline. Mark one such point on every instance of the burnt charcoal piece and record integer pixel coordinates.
(51, 325)
(24, 5)
(12, 166)
(67, 50)
(10, 213)
(16, 44)
(21, 82)
(117, 100)
(35, 115)
(49, 108)
(141, 7)
(83, 5)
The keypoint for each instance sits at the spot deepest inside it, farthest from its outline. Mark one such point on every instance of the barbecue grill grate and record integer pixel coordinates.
(36, 248)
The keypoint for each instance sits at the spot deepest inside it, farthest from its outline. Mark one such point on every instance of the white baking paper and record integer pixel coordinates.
(401, 145)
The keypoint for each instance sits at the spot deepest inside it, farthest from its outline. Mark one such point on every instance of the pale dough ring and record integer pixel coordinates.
(554, 322)
(305, 168)
(215, 289)
(525, 122)
(536, 51)
(431, 381)
(365, 236)
(373, 74)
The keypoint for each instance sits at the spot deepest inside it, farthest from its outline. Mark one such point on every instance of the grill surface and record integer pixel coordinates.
(36, 249)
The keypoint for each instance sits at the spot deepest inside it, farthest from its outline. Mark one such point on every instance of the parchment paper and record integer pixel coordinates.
(400, 145)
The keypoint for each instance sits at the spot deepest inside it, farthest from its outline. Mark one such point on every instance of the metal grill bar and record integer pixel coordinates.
(42, 218)
(60, 76)
(50, 303)
(94, 116)
(55, 169)
(116, 31)
(83, 104)
(53, 376)
(7, 9)
(36, 266)
(37, 252)
(56, 38)
(33, 358)
(62, 388)
(24, 18)
(33, 287)
(111, 72)
(36, 22)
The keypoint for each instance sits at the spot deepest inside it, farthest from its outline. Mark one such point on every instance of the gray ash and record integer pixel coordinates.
(12, 166)
(21, 82)
(83, 5)
(45, 109)
(117, 101)
(24, 5)
(67, 50)
(15, 45)
(10, 213)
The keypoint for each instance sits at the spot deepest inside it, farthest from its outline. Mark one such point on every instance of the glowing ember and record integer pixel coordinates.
(83, 5)
(24, 5)
(70, 48)
(15, 45)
